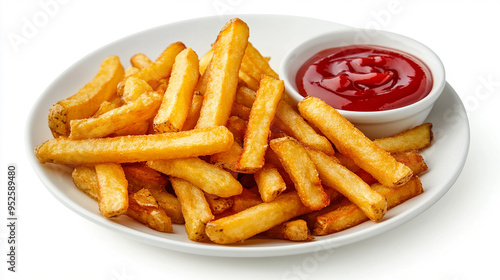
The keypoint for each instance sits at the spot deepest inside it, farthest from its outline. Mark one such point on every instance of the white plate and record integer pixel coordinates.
(273, 36)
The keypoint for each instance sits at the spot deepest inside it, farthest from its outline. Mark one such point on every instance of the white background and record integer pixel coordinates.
(457, 238)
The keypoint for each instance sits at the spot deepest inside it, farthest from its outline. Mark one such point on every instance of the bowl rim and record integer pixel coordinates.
(436, 68)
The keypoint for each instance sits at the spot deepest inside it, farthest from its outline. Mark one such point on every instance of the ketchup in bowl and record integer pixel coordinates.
(364, 78)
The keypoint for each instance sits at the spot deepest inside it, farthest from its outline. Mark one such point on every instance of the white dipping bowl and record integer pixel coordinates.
(376, 124)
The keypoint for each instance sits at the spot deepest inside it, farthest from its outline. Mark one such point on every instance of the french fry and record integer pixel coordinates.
(144, 208)
(87, 100)
(245, 96)
(261, 116)
(205, 60)
(269, 182)
(141, 109)
(131, 70)
(177, 100)
(352, 142)
(138, 128)
(85, 179)
(240, 111)
(245, 200)
(140, 176)
(295, 230)
(140, 61)
(221, 88)
(302, 171)
(238, 127)
(206, 176)
(347, 214)
(169, 203)
(415, 138)
(134, 87)
(290, 121)
(256, 219)
(195, 208)
(194, 111)
(135, 148)
(249, 81)
(412, 159)
(229, 159)
(301, 130)
(258, 61)
(218, 204)
(107, 106)
(161, 67)
(336, 176)
(113, 193)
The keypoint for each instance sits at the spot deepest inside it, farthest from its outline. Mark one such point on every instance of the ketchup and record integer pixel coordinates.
(364, 78)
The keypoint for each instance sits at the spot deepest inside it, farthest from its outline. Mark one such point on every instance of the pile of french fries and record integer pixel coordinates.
(214, 143)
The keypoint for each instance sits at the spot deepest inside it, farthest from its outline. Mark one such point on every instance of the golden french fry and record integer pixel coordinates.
(240, 111)
(87, 100)
(162, 66)
(131, 70)
(261, 115)
(140, 61)
(113, 192)
(134, 87)
(245, 96)
(258, 61)
(206, 176)
(295, 230)
(174, 108)
(254, 220)
(415, 138)
(107, 106)
(85, 179)
(218, 204)
(194, 111)
(195, 208)
(228, 159)
(290, 121)
(249, 81)
(347, 214)
(301, 130)
(245, 200)
(238, 127)
(205, 60)
(302, 171)
(412, 159)
(134, 148)
(139, 110)
(338, 177)
(138, 128)
(223, 74)
(143, 208)
(353, 143)
(140, 176)
(269, 182)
